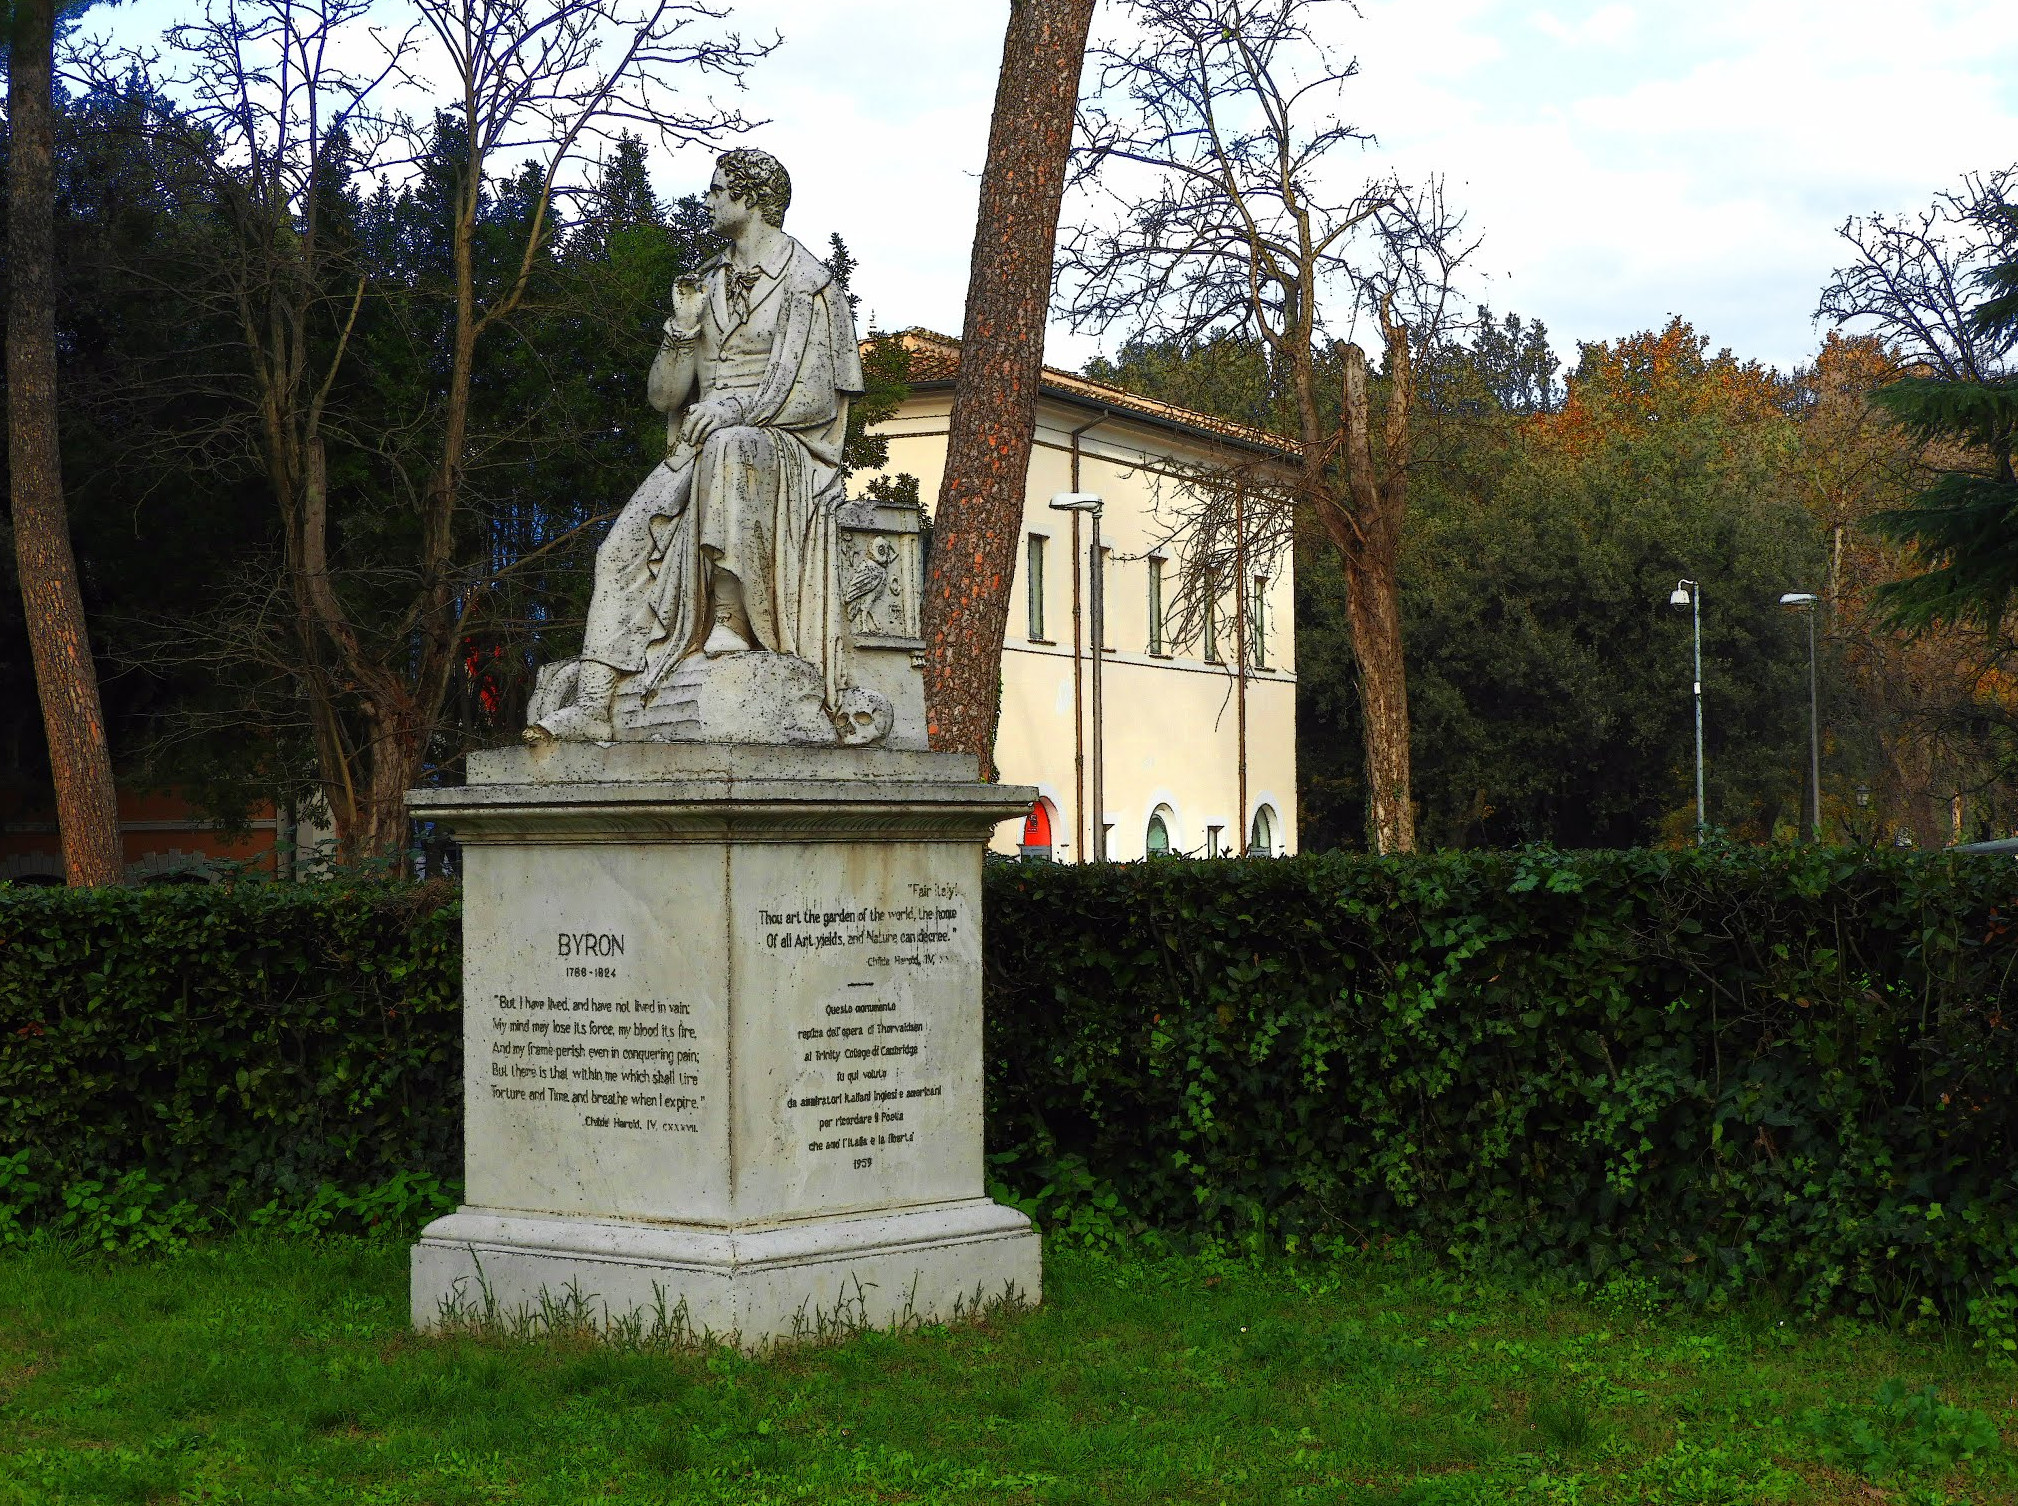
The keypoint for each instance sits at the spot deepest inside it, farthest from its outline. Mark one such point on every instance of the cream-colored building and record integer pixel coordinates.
(1199, 757)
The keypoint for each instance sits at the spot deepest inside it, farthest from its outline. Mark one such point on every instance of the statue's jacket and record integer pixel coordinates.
(759, 498)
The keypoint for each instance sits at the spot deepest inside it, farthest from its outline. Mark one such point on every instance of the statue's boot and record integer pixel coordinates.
(724, 640)
(587, 717)
(731, 633)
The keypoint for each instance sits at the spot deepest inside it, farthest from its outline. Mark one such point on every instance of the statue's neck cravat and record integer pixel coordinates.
(740, 286)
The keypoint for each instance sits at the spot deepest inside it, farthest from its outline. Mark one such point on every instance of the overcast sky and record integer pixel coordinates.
(1622, 161)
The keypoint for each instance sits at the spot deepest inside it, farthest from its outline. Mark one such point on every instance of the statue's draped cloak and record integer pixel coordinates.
(758, 499)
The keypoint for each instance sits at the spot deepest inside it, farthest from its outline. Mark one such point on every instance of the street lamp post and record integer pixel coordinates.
(1810, 601)
(1090, 504)
(1688, 594)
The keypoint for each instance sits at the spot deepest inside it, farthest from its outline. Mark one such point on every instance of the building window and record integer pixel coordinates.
(1156, 644)
(1215, 841)
(1211, 625)
(1106, 841)
(1033, 569)
(1257, 623)
(1156, 841)
(1261, 836)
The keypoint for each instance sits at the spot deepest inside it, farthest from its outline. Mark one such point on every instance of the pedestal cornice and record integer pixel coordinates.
(714, 793)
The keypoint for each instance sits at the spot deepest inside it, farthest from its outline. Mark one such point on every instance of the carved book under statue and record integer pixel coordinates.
(722, 1063)
(739, 597)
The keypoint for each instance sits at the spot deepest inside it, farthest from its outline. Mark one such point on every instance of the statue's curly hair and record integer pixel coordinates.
(759, 180)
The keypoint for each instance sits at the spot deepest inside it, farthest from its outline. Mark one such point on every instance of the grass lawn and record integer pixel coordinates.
(263, 1370)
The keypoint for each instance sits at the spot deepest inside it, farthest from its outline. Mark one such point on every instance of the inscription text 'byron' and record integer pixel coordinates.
(589, 943)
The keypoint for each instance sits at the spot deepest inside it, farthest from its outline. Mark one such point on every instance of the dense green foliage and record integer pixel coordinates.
(237, 1045)
(1719, 1069)
(175, 521)
(1549, 676)
(154, 518)
(1548, 523)
(255, 1369)
(176, 524)
(1787, 1067)
(1942, 286)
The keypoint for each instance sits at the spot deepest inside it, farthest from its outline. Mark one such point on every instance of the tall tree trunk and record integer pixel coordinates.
(1370, 551)
(399, 733)
(979, 517)
(1373, 609)
(87, 808)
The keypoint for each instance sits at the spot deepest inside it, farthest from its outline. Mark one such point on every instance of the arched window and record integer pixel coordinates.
(1156, 842)
(1037, 831)
(1261, 836)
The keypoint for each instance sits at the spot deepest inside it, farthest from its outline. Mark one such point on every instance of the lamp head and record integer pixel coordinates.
(1075, 502)
(1799, 599)
(1679, 597)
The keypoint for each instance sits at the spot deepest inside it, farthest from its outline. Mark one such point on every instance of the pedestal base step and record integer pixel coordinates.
(791, 1283)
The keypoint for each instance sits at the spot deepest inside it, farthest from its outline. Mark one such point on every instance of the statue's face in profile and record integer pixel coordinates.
(727, 213)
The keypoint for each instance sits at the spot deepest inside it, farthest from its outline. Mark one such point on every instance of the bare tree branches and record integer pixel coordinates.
(1936, 285)
(1226, 518)
(1211, 204)
(1915, 280)
(1215, 207)
(288, 108)
(551, 78)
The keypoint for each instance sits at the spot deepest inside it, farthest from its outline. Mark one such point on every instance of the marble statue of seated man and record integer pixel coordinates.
(730, 545)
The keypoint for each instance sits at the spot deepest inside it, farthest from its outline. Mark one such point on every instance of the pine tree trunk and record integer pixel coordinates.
(87, 809)
(979, 517)
(1369, 548)
(1373, 607)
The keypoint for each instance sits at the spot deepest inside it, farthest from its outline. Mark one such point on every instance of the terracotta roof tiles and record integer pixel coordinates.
(935, 360)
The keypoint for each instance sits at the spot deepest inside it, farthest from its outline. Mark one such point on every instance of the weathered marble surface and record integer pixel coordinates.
(742, 544)
(723, 1003)
(755, 1286)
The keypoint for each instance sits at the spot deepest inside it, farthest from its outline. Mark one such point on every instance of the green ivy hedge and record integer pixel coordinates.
(238, 1043)
(1792, 1067)
(1722, 1068)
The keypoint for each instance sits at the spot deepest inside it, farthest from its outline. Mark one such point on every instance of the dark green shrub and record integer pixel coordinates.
(1779, 1066)
(1790, 1068)
(241, 1044)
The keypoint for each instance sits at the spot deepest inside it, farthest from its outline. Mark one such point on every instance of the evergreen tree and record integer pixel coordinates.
(886, 382)
(1965, 525)
(1944, 287)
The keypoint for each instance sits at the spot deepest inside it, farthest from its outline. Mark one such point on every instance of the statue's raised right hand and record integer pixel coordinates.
(690, 297)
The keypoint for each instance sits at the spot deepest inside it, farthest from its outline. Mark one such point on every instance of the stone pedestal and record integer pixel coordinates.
(722, 1038)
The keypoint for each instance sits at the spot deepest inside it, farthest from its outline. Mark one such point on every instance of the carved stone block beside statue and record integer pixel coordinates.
(722, 914)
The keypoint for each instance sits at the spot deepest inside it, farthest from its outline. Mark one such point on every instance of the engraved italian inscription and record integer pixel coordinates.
(868, 1059)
